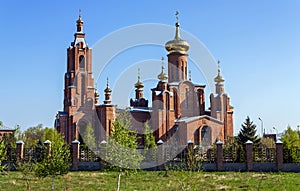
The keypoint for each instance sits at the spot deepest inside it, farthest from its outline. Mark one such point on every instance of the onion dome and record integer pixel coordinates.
(107, 89)
(79, 23)
(177, 45)
(139, 84)
(219, 78)
(96, 94)
(162, 76)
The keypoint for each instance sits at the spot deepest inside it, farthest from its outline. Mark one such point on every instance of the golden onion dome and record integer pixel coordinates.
(107, 89)
(219, 78)
(139, 84)
(162, 76)
(177, 45)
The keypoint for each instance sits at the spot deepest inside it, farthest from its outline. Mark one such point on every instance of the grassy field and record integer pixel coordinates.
(156, 180)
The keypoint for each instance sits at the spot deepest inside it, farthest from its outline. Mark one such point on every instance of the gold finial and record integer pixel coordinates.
(162, 76)
(176, 14)
(139, 74)
(79, 13)
(219, 78)
(107, 89)
(139, 84)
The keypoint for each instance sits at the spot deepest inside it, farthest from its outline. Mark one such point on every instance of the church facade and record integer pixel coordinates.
(178, 104)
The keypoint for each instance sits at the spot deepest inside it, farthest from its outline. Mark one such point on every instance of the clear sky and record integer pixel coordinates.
(257, 41)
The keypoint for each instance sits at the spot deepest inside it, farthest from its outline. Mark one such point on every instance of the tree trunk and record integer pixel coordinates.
(53, 182)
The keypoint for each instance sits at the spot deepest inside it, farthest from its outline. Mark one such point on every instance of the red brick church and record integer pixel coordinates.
(178, 104)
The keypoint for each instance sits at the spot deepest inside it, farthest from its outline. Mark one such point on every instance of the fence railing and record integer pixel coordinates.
(218, 154)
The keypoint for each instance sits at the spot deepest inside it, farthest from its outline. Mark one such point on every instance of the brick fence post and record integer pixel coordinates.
(279, 155)
(47, 145)
(75, 154)
(160, 154)
(249, 155)
(219, 156)
(20, 151)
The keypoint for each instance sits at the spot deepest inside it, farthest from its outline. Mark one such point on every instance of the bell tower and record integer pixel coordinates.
(79, 92)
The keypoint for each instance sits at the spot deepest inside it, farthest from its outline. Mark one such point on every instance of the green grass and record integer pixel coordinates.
(155, 180)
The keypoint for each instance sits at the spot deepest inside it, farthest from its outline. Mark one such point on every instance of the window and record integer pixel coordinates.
(81, 62)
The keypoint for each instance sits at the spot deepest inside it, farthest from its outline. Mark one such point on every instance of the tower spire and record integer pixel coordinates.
(79, 23)
(177, 34)
(162, 76)
(107, 92)
(139, 84)
(219, 78)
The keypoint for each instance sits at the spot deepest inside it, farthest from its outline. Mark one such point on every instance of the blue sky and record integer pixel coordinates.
(257, 42)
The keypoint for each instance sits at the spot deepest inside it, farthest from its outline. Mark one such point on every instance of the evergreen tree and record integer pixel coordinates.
(248, 132)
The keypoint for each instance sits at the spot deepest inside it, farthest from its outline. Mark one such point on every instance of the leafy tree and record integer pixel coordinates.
(149, 139)
(32, 135)
(89, 137)
(9, 140)
(267, 142)
(57, 159)
(149, 143)
(248, 132)
(291, 145)
(122, 145)
(2, 155)
(290, 138)
(18, 133)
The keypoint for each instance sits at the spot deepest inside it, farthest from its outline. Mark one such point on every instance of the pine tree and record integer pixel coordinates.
(248, 132)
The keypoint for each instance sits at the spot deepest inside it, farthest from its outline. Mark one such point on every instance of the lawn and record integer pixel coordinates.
(156, 180)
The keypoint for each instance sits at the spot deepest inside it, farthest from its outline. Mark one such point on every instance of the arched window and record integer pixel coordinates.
(81, 62)
(206, 135)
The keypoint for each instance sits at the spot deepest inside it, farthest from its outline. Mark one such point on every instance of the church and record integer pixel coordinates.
(178, 105)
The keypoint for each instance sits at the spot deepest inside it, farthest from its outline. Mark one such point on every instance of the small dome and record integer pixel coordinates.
(177, 45)
(139, 84)
(162, 76)
(107, 89)
(219, 78)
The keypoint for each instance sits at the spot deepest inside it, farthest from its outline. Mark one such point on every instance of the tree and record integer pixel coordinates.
(57, 158)
(290, 138)
(32, 135)
(248, 132)
(291, 143)
(149, 143)
(2, 155)
(122, 145)
(89, 137)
